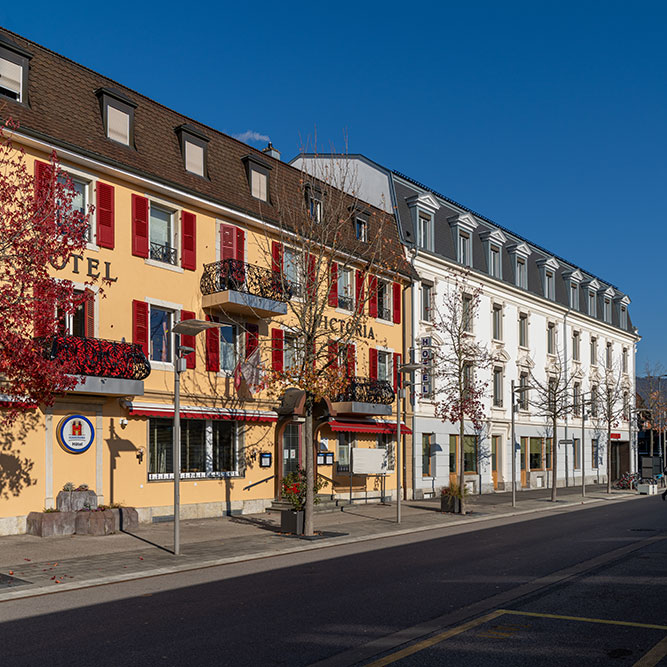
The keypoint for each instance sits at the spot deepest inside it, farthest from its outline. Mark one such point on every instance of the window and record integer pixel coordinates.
(624, 317)
(80, 197)
(14, 70)
(626, 405)
(549, 282)
(361, 228)
(594, 351)
(345, 443)
(194, 148)
(524, 391)
(577, 453)
(465, 254)
(74, 324)
(521, 275)
(576, 399)
(498, 387)
(259, 184)
(595, 399)
(345, 298)
(118, 125)
(117, 115)
(497, 320)
(494, 261)
(576, 345)
(609, 356)
(535, 454)
(208, 448)
(552, 394)
(291, 260)
(592, 304)
(624, 359)
(424, 231)
(291, 352)
(160, 340)
(161, 235)
(384, 366)
(595, 452)
(495, 448)
(427, 295)
(384, 300)
(547, 448)
(551, 338)
(227, 348)
(467, 377)
(466, 313)
(523, 330)
(194, 158)
(574, 296)
(524, 448)
(315, 208)
(606, 310)
(470, 453)
(386, 442)
(427, 440)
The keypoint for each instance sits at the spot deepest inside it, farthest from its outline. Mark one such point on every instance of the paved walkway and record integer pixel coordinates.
(33, 566)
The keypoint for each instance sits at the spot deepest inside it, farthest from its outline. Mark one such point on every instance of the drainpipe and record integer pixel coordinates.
(410, 350)
(555, 442)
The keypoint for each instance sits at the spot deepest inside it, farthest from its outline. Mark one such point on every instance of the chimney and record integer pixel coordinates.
(271, 151)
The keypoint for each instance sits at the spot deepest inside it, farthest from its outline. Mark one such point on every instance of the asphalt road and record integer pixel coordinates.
(584, 587)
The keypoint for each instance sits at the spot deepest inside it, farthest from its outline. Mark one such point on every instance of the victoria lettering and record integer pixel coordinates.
(346, 327)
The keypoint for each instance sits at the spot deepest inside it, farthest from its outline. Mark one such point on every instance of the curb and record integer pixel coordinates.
(18, 593)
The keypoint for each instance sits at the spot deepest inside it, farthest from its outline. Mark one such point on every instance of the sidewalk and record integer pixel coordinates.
(35, 566)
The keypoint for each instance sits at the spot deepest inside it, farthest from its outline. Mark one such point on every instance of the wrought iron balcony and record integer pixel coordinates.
(239, 287)
(345, 302)
(384, 313)
(100, 358)
(163, 253)
(365, 396)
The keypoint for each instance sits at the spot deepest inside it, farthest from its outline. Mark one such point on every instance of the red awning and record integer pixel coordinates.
(366, 427)
(235, 415)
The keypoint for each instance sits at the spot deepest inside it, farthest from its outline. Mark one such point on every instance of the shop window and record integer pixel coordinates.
(344, 446)
(427, 450)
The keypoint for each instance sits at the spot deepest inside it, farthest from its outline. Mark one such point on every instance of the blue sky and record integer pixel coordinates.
(547, 117)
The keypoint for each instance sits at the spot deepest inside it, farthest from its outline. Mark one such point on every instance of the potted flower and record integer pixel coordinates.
(293, 489)
(450, 498)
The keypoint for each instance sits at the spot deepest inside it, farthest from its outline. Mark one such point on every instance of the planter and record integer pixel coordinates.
(73, 501)
(95, 523)
(48, 524)
(125, 518)
(291, 521)
(647, 489)
(450, 504)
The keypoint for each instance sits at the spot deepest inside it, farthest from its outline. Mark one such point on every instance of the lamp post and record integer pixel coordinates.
(401, 370)
(514, 390)
(183, 328)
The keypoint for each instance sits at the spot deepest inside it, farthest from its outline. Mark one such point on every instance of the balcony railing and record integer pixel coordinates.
(345, 302)
(384, 313)
(163, 253)
(232, 274)
(99, 358)
(364, 390)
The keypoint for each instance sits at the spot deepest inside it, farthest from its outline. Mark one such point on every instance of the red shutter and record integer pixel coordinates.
(277, 339)
(333, 285)
(105, 215)
(359, 290)
(240, 245)
(373, 296)
(333, 354)
(139, 226)
(189, 341)
(276, 257)
(227, 241)
(397, 363)
(351, 360)
(212, 348)
(89, 312)
(42, 176)
(397, 303)
(311, 276)
(140, 325)
(251, 339)
(188, 241)
(373, 364)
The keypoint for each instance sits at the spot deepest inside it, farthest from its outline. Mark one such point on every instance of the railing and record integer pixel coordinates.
(345, 302)
(232, 274)
(163, 253)
(364, 390)
(384, 313)
(99, 358)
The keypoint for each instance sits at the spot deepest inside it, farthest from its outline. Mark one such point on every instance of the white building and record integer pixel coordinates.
(535, 310)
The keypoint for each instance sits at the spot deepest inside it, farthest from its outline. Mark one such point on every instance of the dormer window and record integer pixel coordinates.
(117, 116)
(257, 171)
(592, 304)
(549, 284)
(465, 254)
(423, 207)
(314, 202)
(519, 254)
(624, 317)
(425, 231)
(548, 267)
(194, 149)
(361, 229)
(521, 274)
(494, 261)
(574, 296)
(463, 227)
(572, 279)
(14, 68)
(606, 310)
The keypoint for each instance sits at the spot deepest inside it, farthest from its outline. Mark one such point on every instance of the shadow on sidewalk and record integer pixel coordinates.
(264, 524)
(143, 539)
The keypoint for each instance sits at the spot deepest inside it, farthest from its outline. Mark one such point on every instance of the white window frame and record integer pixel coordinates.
(175, 308)
(495, 269)
(425, 223)
(361, 229)
(523, 323)
(229, 372)
(90, 185)
(345, 289)
(576, 345)
(426, 306)
(574, 296)
(261, 186)
(592, 303)
(551, 338)
(384, 304)
(173, 234)
(606, 309)
(465, 248)
(521, 270)
(497, 322)
(498, 386)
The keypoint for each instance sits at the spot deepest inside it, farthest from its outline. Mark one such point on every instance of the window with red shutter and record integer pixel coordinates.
(251, 339)
(105, 205)
(140, 324)
(139, 226)
(359, 290)
(373, 296)
(188, 241)
(89, 312)
(276, 256)
(277, 345)
(333, 285)
(397, 303)
(373, 364)
(240, 245)
(232, 243)
(212, 348)
(189, 341)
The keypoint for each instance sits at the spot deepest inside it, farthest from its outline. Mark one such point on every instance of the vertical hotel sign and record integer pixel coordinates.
(75, 434)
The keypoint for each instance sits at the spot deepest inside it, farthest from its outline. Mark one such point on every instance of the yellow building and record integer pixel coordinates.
(189, 223)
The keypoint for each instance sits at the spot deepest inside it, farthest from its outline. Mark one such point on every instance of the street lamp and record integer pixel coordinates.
(405, 369)
(514, 390)
(183, 328)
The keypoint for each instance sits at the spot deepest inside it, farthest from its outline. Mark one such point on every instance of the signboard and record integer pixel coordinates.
(369, 461)
(565, 442)
(615, 436)
(75, 434)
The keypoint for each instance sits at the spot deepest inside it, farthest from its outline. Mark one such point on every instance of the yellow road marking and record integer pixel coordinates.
(583, 619)
(436, 639)
(654, 656)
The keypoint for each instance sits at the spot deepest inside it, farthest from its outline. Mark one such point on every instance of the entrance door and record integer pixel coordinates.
(290, 449)
(495, 450)
(524, 461)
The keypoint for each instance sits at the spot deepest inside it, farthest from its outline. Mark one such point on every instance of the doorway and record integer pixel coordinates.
(290, 449)
(495, 451)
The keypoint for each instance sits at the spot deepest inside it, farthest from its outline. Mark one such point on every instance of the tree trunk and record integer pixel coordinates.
(554, 458)
(310, 467)
(651, 452)
(608, 457)
(462, 476)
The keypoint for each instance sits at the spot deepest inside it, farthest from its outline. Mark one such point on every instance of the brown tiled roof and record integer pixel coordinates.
(63, 108)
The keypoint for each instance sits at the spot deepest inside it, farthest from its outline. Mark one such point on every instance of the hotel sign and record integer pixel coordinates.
(346, 327)
(75, 434)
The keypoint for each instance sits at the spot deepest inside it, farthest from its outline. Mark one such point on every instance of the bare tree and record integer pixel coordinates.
(653, 396)
(459, 389)
(327, 250)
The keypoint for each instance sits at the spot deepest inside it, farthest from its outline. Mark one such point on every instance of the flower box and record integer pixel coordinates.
(48, 524)
(450, 504)
(647, 489)
(73, 501)
(291, 521)
(97, 522)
